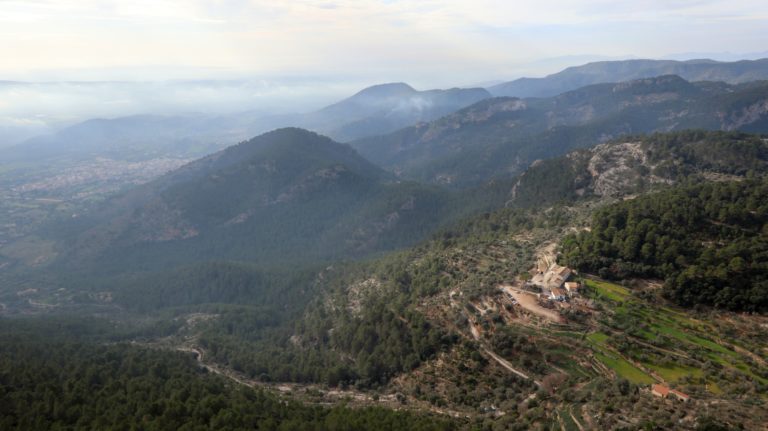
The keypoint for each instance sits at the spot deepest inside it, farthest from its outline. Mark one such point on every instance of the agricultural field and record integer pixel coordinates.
(647, 343)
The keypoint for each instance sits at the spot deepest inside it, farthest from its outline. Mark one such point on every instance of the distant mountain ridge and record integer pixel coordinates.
(88, 161)
(134, 137)
(736, 72)
(500, 137)
(374, 110)
(385, 108)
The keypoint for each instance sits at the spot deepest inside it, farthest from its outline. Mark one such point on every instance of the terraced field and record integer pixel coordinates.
(645, 343)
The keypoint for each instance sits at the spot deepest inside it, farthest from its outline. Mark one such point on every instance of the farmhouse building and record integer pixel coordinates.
(665, 392)
(559, 275)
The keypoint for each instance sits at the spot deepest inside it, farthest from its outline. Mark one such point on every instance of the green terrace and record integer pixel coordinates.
(645, 343)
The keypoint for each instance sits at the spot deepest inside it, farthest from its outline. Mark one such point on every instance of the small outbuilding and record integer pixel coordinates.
(572, 287)
(557, 294)
(660, 391)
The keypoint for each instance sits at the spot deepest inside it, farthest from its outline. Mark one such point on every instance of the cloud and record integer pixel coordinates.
(452, 40)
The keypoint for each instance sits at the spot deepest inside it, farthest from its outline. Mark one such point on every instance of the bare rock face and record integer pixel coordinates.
(479, 115)
(610, 170)
(359, 292)
(612, 167)
(624, 169)
(745, 116)
(618, 168)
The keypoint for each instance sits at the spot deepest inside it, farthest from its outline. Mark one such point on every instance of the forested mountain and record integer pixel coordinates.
(241, 215)
(500, 137)
(88, 161)
(286, 196)
(444, 326)
(384, 299)
(625, 70)
(709, 242)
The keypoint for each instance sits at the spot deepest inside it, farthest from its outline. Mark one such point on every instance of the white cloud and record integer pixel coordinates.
(460, 40)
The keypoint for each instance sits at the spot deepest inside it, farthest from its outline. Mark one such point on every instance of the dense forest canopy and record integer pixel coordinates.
(76, 384)
(709, 242)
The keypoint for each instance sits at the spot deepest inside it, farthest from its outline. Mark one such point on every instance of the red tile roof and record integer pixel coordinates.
(661, 390)
(679, 394)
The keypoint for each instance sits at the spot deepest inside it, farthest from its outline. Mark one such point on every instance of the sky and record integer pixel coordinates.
(425, 42)
(80, 59)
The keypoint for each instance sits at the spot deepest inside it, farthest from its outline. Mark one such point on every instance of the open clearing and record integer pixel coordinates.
(530, 303)
(624, 368)
(610, 291)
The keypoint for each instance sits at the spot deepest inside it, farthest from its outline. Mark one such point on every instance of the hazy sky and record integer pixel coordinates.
(445, 41)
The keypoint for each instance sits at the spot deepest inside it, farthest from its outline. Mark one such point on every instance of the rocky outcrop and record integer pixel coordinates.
(617, 169)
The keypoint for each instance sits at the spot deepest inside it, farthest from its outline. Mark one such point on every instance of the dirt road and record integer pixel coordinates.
(504, 363)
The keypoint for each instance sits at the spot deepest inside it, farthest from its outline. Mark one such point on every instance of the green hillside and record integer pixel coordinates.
(434, 325)
(709, 242)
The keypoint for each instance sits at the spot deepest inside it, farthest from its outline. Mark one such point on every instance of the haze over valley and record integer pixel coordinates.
(438, 215)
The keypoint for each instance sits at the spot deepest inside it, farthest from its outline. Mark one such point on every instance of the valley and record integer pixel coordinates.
(41, 196)
(591, 260)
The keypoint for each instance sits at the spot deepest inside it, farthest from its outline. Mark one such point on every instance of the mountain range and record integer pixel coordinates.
(293, 195)
(500, 137)
(735, 72)
(374, 110)
(123, 144)
(441, 323)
